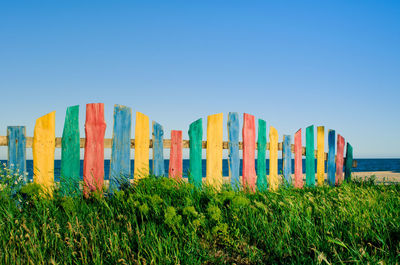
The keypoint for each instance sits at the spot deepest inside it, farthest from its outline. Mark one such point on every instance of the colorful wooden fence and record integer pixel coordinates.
(254, 176)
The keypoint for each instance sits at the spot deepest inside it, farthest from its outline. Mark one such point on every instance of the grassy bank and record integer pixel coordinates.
(160, 221)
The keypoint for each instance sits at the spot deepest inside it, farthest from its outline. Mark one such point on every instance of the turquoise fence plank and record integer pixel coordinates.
(262, 183)
(287, 159)
(331, 158)
(17, 149)
(70, 153)
(310, 157)
(195, 142)
(120, 167)
(158, 150)
(233, 156)
(348, 162)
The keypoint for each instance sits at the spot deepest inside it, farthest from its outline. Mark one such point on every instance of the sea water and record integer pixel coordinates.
(363, 165)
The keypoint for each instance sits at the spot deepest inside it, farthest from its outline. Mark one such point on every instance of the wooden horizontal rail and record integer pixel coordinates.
(167, 144)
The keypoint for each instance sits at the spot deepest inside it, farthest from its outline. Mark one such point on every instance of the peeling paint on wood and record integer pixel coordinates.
(320, 155)
(17, 149)
(298, 160)
(339, 160)
(120, 165)
(43, 152)
(310, 157)
(158, 150)
(175, 160)
(142, 138)
(214, 151)
(70, 153)
(93, 163)
(287, 159)
(249, 152)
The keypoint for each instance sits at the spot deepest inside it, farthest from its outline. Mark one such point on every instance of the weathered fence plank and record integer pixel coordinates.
(120, 165)
(262, 183)
(249, 151)
(214, 150)
(158, 150)
(331, 158)
(70, 152)
(287, 159)
(339, 160)
(298, 160)
(233, 145)
(175, 159)
(273, 159)
(17, 149)
(349, 162)
(93, 163)
(43, 151)
(142, 138)
(310, 157)
(195, 166)
(320, 155)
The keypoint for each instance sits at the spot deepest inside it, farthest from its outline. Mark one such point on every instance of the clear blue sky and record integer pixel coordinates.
(292, 63)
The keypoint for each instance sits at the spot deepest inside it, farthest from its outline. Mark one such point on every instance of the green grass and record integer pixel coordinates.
(160, 221)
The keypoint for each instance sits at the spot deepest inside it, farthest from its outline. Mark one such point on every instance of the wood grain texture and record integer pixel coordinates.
(93, 163)
(175, 158)
(331, 158)
(214, 151)
(262, 183)
(310, 157)
(233, 147)
(120, 165)
(348, 162)
(17, 149)
(43, 152)
(142, 138)
(287, 159)
(70, 153)
(158, 150)
(273, 159)
(298, 161)
(339, 160)
(195, 153)
(249, 152)
(320, 155)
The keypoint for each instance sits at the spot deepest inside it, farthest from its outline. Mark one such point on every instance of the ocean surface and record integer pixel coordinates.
(363, 165)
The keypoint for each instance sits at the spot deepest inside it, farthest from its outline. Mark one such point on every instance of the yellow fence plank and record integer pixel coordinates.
(320, 155)
(44, 139)
(142, 138)
(273, 159)
(214, 150)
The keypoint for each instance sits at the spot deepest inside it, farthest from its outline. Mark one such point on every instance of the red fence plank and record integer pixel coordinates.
(175, 160)
(298, 160)
(93, 165)
(339, 160)
(249, 149)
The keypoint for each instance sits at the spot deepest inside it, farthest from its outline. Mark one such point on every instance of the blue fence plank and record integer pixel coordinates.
(233, 156)
(17, 148)
(158, 150)
(120, 166)
(331, 158)
(287, 159)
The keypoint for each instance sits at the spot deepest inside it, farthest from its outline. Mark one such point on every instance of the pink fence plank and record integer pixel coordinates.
(93, 164)
(175, 160)
(249, 149)
(339, 160)
(298, 160)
